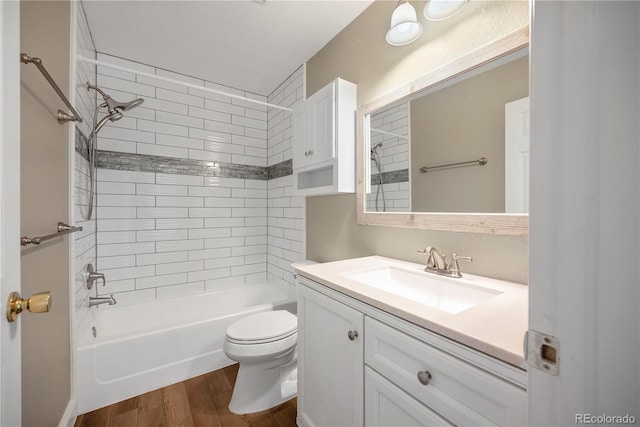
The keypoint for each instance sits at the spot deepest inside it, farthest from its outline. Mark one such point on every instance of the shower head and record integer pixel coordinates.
(114, 108)
(111, 117)
(112, 104)
(125, 106)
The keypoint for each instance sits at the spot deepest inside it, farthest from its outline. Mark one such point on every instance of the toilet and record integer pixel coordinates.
(264, 344)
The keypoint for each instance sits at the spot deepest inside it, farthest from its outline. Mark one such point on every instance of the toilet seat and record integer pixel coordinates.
(262, 328)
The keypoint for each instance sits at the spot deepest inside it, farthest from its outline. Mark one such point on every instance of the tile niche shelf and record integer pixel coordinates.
(324, 141)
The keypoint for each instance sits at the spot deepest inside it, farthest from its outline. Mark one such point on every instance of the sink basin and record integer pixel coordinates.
(443, 293)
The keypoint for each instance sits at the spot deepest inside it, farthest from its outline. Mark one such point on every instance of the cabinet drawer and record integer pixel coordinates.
(487, 398)
(388, 406)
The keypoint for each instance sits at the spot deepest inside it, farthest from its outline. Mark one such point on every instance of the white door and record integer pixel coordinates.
(516, 156)
(10, 382)
(585, 211)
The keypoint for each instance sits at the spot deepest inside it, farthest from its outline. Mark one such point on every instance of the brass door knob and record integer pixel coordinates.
(38, 303)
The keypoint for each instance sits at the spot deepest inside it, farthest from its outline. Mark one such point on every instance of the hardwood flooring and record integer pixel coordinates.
(200, 401)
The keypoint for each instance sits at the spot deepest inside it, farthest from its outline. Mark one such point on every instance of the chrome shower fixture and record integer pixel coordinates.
(115, 112)
(375, 158)
(113, 105)
(374, 150)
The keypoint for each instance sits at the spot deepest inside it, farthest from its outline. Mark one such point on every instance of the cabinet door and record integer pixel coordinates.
(387, 405)
(322, 124)
(330, 362)
(301, 135)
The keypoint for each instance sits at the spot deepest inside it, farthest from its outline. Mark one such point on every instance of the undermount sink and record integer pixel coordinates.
(446, 294)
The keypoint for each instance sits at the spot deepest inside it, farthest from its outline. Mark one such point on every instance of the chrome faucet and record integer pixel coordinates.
(438, 264)
(93, 301)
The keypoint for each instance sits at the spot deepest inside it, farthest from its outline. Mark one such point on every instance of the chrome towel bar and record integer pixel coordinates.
(62, 230)
(481, 162)
(62, 116)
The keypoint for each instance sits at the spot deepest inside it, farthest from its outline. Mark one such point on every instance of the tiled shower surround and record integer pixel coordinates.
(394, 160)
(84, 242)
(194, 188)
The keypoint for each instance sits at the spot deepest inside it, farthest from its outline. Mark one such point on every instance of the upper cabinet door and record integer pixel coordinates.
(322, 124)
(314, 128)
(301, 131)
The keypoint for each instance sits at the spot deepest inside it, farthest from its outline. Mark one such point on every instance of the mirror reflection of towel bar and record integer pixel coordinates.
(480, 162)
(62, 230)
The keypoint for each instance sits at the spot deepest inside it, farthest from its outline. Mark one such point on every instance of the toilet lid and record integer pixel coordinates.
(263, 326)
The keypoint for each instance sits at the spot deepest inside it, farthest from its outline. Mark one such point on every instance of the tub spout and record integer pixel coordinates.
(101, 300)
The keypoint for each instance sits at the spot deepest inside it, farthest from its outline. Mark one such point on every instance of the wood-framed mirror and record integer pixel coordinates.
(437, 198)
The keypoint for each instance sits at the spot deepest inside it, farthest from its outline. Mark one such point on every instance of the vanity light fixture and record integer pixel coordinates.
(438, 10)
(405, 27)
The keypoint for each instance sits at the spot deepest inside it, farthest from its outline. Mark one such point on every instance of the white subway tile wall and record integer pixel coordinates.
(285, 213)
(84, 242)
(394, 156)
(163, 235)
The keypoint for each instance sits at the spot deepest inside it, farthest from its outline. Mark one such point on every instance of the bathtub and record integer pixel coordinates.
(139, 348)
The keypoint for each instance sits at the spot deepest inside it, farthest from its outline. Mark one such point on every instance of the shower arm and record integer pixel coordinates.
(97, 89)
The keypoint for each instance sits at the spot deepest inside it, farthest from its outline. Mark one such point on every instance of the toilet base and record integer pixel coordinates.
(258, 388)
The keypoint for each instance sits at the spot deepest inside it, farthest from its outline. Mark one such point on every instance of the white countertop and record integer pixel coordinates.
(495, 327)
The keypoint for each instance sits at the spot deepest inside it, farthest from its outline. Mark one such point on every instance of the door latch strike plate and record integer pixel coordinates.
(542, 352)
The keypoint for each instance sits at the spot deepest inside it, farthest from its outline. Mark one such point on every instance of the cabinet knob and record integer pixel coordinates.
(424, 377)
(352, 335)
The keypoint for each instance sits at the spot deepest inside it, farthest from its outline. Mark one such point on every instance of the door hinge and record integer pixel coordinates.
(542, 352)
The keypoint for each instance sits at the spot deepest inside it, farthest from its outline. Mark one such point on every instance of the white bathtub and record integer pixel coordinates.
(144, 347)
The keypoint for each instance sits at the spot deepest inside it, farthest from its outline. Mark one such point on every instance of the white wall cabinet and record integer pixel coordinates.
(324, 141)
(404, 374)
(329, 361)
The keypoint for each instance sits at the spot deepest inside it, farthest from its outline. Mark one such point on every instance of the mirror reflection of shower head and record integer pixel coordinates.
(374, 149)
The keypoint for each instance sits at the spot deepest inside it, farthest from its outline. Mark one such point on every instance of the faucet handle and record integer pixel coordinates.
(91, 276)
(430, 261)
(453, 266)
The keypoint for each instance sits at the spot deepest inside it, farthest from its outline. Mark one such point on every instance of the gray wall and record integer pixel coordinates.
(44, 163)
(360, 54)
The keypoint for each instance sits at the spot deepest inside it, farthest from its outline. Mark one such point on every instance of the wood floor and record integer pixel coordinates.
(200, 401)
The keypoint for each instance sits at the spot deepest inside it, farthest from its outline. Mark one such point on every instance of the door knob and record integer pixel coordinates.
(352, 335)
(38, 303)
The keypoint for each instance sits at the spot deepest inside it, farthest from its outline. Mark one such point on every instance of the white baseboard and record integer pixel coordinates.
(70, 414)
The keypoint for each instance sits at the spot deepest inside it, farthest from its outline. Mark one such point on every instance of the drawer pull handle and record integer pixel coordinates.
(352, 335)
(424, 377)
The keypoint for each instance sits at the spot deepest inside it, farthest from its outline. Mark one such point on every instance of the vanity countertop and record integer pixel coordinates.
(495, 327)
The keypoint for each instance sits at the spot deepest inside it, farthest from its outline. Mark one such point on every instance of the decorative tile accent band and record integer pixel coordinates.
(82, 144)
(280, 169)
(174, 165)
(401, 175)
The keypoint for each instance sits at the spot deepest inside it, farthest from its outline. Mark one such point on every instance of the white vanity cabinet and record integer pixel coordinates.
(330, 356)
(324, 141)
(449, 387)
(408, 375)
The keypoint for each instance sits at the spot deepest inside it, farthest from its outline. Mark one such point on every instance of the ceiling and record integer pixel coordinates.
(245, 44)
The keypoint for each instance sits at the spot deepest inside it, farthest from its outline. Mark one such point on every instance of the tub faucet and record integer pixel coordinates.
(101, 300)
(438, 264)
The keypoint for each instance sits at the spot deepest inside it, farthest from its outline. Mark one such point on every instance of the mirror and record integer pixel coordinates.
(450, 150)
